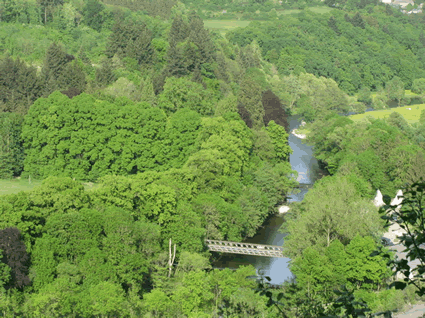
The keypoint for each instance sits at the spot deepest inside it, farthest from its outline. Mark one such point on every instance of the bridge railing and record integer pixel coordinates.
(245, 248)
(244, 245)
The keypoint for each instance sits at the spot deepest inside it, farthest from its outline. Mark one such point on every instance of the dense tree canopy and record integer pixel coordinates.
(355, 54)
(185, 133)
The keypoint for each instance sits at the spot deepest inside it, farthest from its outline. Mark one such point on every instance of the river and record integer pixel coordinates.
(306, 165)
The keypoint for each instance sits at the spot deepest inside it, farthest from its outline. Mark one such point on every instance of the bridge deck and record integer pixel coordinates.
(245, 248)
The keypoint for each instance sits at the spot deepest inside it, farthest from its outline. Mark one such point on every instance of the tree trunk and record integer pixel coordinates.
(171, 259)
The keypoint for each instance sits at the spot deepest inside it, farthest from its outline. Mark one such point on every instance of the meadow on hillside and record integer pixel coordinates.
(410, 113)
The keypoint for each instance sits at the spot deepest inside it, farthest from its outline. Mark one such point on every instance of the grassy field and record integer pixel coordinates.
(18, 185)
(225, 25)
(314, 9)
(410, 113)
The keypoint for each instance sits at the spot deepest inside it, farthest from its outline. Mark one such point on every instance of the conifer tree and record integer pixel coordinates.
(197, 77)
(221, 71)
(73, 77)
(93, 16)
(104, 74)
(118, 40)
(176, 62)
(19, 85)
(83, 56)
(141, 48)
(147, 91)
(179, 31)
(54, 66)
(333, 25)
(201, 38)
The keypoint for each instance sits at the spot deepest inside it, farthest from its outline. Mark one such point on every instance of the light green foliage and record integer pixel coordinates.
(290, 88)
(395, 89)
(4, 274)
(87, 138)
(363, 270)
(331, 210)
(373, 150)
(313, 271)
(104, 246)
(28, 211)
(183, 93)
(162, 197)
(123, 88)
(364, 95)
(279, 138)
(189, 262)
(186, 228)
(227, 143)
(380, 100)
(106, 299)
(180, 136)
(147, 93)
(418, 86)
(197, 293)
(320, 96)
(192, 296)
(389, 299)
(337, 259)
(263, 146)
(410, 113)
(274, 181)
(157, 302)
(227, 104)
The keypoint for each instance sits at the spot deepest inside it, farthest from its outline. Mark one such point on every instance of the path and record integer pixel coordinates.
(416, 311)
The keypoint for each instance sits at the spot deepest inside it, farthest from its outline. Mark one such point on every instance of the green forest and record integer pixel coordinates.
(132, 132)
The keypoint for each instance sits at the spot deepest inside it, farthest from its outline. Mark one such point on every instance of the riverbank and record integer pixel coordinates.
(302, 160)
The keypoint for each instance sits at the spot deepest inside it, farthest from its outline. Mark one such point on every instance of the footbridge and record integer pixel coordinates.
(245, 248)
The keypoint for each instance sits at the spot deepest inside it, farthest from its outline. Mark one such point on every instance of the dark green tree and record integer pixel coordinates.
(15, 256)
(250, 96)
(358, 21)
(179, 31)
(54, 67)
(273, 110)
(333, 25)
(11, 148)
(140, 48)
(244, 114)
(105, 74)
(19, 85)
(73, 77)
(93, 13)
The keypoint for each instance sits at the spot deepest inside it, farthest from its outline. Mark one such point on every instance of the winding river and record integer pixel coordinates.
(306, 165)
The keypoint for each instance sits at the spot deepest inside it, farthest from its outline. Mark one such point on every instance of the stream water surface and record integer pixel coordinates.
(306, 165)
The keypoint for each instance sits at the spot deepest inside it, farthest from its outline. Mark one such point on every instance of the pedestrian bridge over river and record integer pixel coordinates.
(245, 248)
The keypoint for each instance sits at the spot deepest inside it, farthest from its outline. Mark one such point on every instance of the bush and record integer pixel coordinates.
(418, 86)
